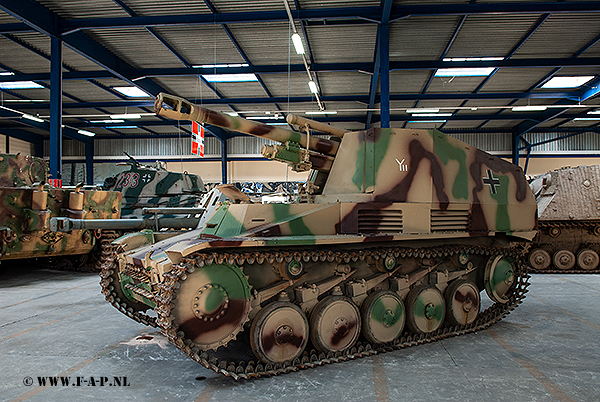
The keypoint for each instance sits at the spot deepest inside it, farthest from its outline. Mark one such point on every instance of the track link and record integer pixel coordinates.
(247, 369)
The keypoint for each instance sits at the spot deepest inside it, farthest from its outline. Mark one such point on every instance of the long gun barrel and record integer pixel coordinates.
(292, 142)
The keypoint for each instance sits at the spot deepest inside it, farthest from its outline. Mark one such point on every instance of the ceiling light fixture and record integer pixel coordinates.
(422, 110)
(33, 118)
(432, 115)
(228, 65)
(313, 87)
(20, 85)
(529, 108)
(6, 73)
(85, 132)
(107, 121)
(297, 40)
(230, 77)
(464, 72)
(568, 82)
(322, 112)
(126, 116)
(473, 59)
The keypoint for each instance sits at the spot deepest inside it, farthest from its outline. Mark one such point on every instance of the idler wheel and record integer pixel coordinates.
(564, 259)
(499, 278)
(462, 302)
(212, 305)
(539, 259)
(279, 332)
(335, 324)
(383, 316)
(587, 259)
(425, 309)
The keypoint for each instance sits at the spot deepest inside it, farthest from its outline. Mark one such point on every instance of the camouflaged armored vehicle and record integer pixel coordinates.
(28, 203)
(146, 186)
(390, 244)
(569, 221)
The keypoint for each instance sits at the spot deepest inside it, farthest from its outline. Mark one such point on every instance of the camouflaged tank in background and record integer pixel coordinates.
(28, 204)
(145, 186)
(390, 244)
(569, 221)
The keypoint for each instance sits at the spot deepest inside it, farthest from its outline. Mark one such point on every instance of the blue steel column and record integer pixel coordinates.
(56, 109)
(89, 162)
(223, 160)
(515, 148)
(384, 77)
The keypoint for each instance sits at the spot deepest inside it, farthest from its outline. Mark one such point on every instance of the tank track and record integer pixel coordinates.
(247, 369)
(546, 226)
(109, 279)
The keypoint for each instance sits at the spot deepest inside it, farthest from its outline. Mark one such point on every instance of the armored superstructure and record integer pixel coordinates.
(153, 186)
(28, 204)
(569, 220)
(390, 243)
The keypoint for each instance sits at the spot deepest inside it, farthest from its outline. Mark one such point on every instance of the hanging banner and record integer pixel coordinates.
(197, 139)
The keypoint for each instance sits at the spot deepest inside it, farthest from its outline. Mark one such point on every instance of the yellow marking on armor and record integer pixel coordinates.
(576, 283)
(73, 369)
(554, 389)
(26, 331)
(583, 320)
(380, 380)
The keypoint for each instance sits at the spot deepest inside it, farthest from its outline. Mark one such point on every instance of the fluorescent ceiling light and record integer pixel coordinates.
(427, 121)
(594, 112)
(528, 108)
(265, 118)
(30, 117)
(432, 115)
(20, 85)
(220, 65)
(233, 114)
(473, 59)
(568, 82)
(126, 116)
(230, 77)
(132, 92)
(587, 118)
(6, 73)
(464, 72)
(422, 110)
(313, 87)
(322, 112)
(108, 128)
(298, 43)
(107, 121)
(85, 132)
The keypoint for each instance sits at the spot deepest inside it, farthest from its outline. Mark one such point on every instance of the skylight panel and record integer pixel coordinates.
(132, 92)
(568, 82)
(230, 77)
(464, 72)
(20, 85)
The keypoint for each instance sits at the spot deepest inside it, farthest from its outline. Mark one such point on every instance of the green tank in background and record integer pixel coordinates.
(28, 204)
(390, 244)
(569, 221)
(146, 186)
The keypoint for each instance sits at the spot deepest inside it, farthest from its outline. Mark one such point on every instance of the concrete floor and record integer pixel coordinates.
(56, 323)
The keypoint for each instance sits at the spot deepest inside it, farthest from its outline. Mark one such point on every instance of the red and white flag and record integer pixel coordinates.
(197, 139)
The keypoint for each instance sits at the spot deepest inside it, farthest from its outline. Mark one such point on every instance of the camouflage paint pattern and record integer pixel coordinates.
(27, 209)
(397, 190)
(151, 186)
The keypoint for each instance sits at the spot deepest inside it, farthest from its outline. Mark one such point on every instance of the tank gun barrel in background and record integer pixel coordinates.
(315, 125)
(300, 150)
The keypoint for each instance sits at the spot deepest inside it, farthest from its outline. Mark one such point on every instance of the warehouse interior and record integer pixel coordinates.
(78, 80)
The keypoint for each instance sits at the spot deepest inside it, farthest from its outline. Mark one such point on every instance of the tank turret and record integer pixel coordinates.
(394, 240)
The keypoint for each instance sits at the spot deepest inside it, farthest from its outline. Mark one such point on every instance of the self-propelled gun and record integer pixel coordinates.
(392, 242)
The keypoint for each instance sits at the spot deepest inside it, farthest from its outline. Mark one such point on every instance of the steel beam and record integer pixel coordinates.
(56, 109)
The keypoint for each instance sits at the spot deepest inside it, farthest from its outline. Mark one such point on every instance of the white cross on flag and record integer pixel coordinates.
(197, 139)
